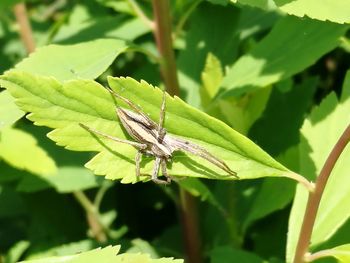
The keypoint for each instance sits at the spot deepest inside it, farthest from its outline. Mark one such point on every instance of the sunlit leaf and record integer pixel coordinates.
(64, 106)
(105, 255)
(9, 112)
(291, 46)
(335, 11)
(86, 60)
(20, 149)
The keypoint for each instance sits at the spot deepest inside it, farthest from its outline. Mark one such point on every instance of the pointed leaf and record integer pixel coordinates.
(86, 60)
(291, 46)
(64, 106)
(335, 11)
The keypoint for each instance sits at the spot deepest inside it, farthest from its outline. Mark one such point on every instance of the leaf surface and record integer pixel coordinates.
(20, 149)
(9, 112)
(291, 46)
(105, 255)
(63, 106)
(86, 60)
(335, 11)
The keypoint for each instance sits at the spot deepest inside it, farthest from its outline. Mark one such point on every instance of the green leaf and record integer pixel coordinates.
(217, 34)
(211, 76)
(320, 132)
(8, 3)
(291, 46)
(16, 251)
(86, 60)
(20, 149)
(341, 253)
(64, 106)
(105, 255)
(335, 11)
(277, 130)
(66, 180)
(199, 189)
(9, 112)
(103, 27)
(226, 254)
(11, 203)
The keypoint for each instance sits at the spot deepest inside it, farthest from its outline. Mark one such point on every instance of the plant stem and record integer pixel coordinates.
(188, 209)
(189, 218)
(315, 197)
(25, 29)
(93, 217)
(162, 33)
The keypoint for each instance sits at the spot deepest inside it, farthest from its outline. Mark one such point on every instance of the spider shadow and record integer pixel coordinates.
(196, 166)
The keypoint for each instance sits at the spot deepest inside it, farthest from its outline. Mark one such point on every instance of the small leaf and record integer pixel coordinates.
(291, 46)
(211, 77)
(9, 112)
(86, 60)
(20, 149)
(217, 35)
(67, 179)
(335, 11)
(64, 106)
(105, 255)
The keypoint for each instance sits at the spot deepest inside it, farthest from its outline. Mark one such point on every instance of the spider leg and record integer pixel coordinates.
(138, 158)
(155, 172)
(186, 146)
(137, 145)
(165, 171)
(161, 130)
(132, 105)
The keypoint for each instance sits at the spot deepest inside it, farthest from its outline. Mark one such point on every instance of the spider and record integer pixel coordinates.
(152, 139)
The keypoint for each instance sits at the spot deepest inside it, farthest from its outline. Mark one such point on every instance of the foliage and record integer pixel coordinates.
(264, 86)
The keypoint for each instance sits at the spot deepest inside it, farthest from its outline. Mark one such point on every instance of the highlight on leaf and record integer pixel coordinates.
(62, 106)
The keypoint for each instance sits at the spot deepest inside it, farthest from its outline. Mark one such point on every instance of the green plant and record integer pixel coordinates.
(238, 72)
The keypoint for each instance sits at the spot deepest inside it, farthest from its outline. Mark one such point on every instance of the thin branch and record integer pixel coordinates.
(93, 216)
(189, 218)
(185, 17)
(315, 198)
(101, 193)
(138, 11)
(318, 255)
(25, 29)
(162, 33)
(188, 208)
(310, 186)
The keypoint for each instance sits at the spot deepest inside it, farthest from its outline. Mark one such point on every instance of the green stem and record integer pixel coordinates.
(138, 11)
(188, 209)
(93, 216)
(184, 18)
(315, 198)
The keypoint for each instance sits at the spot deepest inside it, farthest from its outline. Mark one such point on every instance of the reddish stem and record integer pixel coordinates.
(25, 29)
(315, 198)
(188, 208)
